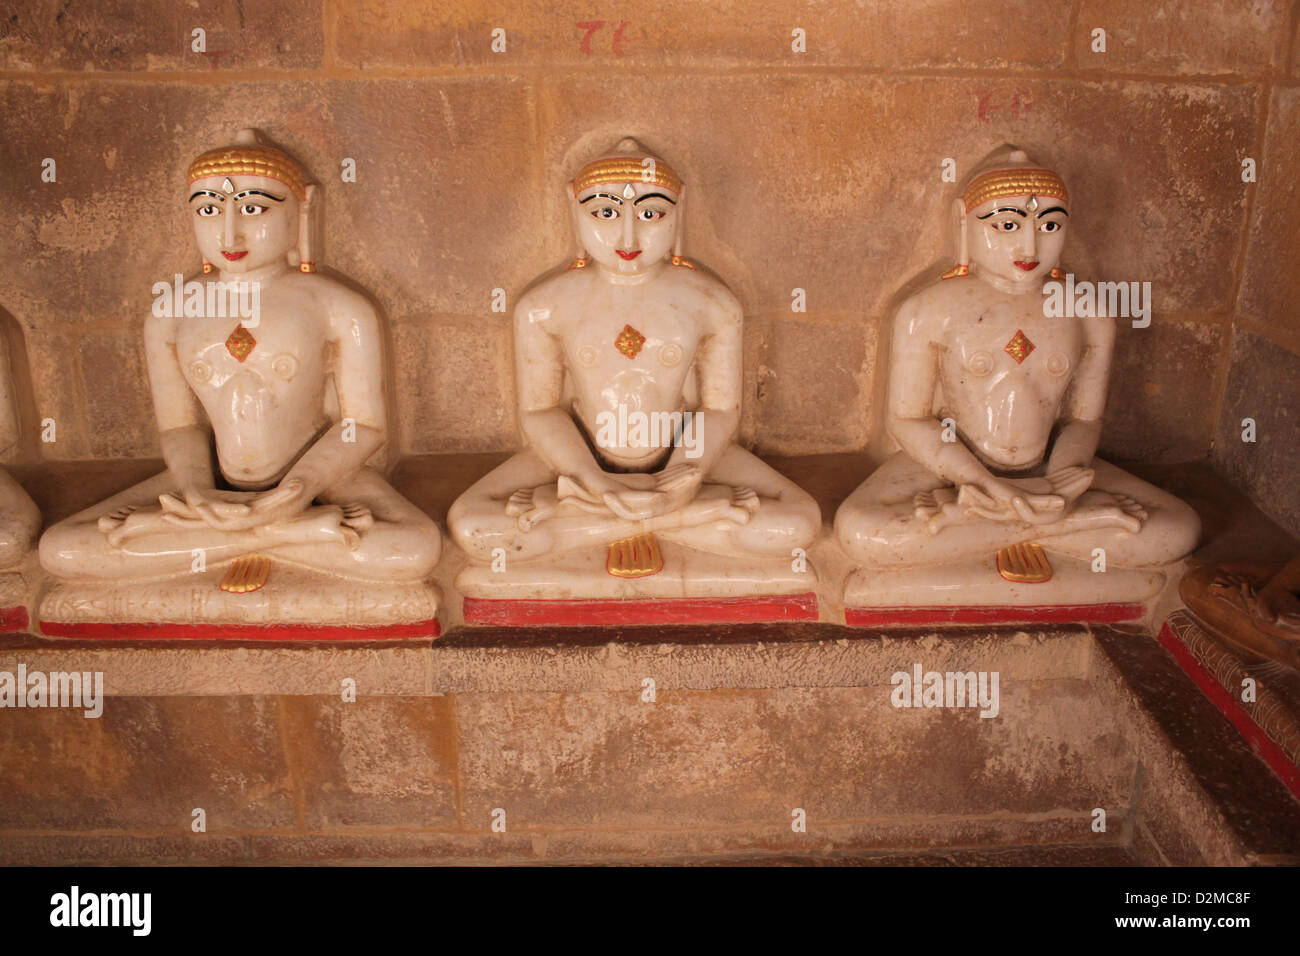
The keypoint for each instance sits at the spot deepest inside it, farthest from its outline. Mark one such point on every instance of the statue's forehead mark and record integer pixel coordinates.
(227, 185)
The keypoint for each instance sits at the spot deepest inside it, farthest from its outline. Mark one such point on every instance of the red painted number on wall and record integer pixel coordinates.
(1001, 103)
(591, 27)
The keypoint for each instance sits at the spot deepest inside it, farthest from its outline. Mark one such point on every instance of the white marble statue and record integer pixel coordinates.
(268, 385)
(996, 407)
(629, 380)
(19, 518)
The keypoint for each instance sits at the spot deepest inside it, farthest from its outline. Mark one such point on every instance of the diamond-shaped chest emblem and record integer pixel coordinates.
(240, 343)
(1019, 347)
(629, 342)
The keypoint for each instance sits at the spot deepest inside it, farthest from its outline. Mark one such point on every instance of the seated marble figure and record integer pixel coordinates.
(20, 520)
(629, 378)
(996, 407)
(272, 416)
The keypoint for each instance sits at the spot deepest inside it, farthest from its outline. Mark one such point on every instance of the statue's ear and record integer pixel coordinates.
(306, 241)
(313, 191)
(573, 193)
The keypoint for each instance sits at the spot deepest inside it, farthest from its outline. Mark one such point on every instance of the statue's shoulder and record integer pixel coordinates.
(696, 280)
(552, 289)
(932, 305)
(339, 299)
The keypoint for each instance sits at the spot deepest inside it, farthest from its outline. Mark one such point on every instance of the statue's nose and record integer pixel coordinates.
(232, 227)
(1031, 245)
(629, 229)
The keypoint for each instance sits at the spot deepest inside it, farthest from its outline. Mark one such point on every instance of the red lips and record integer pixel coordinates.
(234, 256)
(629, 256)
(1029, 265)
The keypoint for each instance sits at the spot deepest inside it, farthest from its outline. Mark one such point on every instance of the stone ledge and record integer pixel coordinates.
(879, 839)
(503, 660)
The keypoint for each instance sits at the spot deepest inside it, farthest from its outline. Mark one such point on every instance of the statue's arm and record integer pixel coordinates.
(183, 429)
(1076, 441)
(539, 378)
(913, 377)
(357, 347)
(721, 375)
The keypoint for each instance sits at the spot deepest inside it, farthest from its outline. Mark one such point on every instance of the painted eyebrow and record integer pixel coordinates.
(1061, 209)
(1020, 212)
(600, 196)
(207, 192)
(256, 192)
(640, 199)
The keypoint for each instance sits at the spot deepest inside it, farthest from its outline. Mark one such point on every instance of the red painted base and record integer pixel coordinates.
(13, 619)
(748, 610)
(289, 633)
(992, 614)
(1230, 707)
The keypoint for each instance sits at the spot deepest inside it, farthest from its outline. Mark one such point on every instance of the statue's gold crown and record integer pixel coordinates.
(627, 169)
(246, 160)
(1015, 181)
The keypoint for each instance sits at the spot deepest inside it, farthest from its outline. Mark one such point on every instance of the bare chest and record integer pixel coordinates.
(277, 350)
(607, 342)
(1016, 343)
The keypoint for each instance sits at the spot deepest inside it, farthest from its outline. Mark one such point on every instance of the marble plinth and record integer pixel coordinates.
(295, 605)
(692, 588)
(975, 593)
(13, 603)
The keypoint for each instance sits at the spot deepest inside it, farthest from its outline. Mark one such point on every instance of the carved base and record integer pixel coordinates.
(13, 603)
(976, 593)
(294, 605)
(692, 588)
(631, 613)
(1270, 720)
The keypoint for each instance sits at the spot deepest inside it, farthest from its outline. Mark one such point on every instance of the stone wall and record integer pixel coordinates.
(818, 170)
(484, 750)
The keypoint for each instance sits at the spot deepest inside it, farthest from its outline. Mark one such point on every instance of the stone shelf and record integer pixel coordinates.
(748, 722)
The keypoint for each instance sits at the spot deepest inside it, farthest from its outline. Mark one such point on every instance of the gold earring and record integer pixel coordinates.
(305, 266)
(957, 271)
(1057, 273)
(578, 263)
(682, 261)
(208, 268)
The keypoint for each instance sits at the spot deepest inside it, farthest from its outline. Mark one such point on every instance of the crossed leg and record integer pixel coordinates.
(361, 527)
(744, 507)
(879, 524)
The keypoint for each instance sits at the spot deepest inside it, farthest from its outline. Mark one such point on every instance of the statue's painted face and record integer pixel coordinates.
(243, 222)
(627, 227)
(1018, 238)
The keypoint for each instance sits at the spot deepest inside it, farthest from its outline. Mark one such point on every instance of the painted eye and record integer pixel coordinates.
(605, 212)
(1050, 226)
(252, 209)
(1006, 225)
(208, 210)
(650, 215)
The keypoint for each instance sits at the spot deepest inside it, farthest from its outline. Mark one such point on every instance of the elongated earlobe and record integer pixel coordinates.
(962, 268)
(305, 261)
(677, 258)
